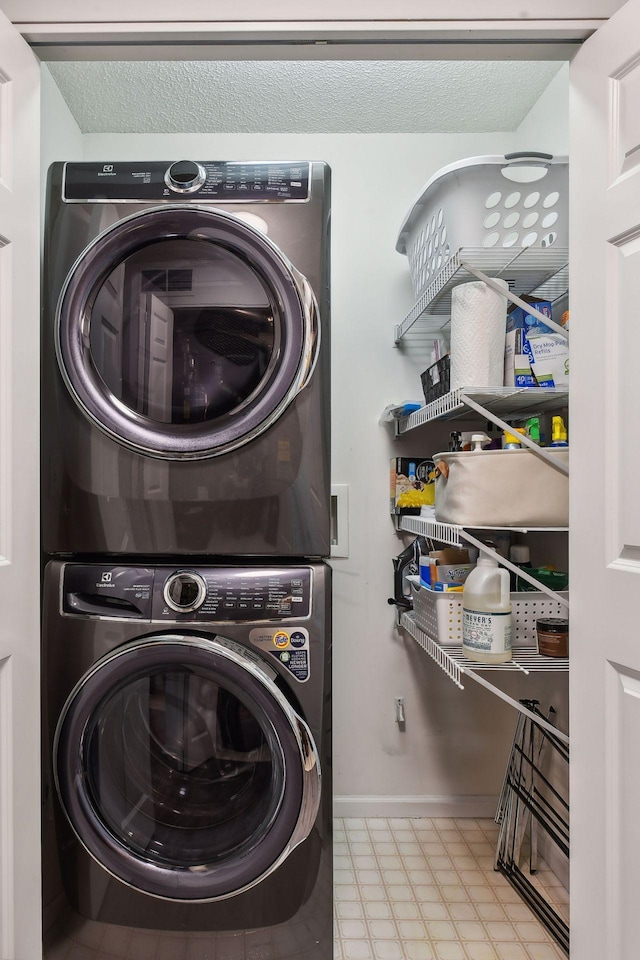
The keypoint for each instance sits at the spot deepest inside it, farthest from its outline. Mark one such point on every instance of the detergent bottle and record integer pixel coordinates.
(486, 613)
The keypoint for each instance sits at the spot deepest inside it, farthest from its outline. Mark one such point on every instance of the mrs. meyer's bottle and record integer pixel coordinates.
(486, 617)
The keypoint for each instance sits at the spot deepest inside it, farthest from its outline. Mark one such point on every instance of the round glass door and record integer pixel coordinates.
(183, 770)
(184, 332)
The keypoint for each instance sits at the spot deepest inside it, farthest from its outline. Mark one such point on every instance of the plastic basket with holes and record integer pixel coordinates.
(513, 201)
(440, 614)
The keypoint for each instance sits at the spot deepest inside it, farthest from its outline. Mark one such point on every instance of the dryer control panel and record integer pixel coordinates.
(211, 594)
(158, 180)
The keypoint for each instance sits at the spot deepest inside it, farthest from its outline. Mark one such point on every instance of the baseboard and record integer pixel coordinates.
(429, 806)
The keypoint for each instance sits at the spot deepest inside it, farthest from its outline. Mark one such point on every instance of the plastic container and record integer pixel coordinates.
(553, 636)
(493, 202)
(520, 555)
(486, 613)
(440, 614)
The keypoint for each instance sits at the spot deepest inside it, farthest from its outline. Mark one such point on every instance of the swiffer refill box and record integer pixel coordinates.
(410, 484)
(519, 357)
(550, 360)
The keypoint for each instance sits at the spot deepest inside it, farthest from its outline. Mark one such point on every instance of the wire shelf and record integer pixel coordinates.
(451, 659)
(542, 271)
(510, 403)
(453, 534)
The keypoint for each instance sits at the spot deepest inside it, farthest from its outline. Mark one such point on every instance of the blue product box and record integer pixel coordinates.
(518, 356)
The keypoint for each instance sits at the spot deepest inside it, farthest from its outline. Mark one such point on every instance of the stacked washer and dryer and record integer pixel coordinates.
(186, 605)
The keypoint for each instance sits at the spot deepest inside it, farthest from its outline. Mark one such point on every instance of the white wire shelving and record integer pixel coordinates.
(453, 534)
(451, 660)
(456, 535)
(510, 403)
(543, 271)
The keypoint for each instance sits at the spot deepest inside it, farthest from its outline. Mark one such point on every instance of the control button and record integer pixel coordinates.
(296, 583)
(185, 176)
(229, 605)
(185, 591)
(258, 606)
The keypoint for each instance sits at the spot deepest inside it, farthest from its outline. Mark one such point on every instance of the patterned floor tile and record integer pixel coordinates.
(419, 889)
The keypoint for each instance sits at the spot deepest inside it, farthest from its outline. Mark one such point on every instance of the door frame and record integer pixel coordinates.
(424, 39)
(328, 40)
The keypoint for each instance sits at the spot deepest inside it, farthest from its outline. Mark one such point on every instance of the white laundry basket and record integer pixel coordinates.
(514, 201)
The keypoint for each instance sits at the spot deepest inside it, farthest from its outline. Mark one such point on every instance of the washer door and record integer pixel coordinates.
(183, 769)
(184, 333)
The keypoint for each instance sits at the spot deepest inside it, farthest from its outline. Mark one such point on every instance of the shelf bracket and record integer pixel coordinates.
(521, 572)
(541, 722)
(455, 670)
(527, 441)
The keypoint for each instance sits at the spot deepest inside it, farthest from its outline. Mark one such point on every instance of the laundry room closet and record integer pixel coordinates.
(384, 128)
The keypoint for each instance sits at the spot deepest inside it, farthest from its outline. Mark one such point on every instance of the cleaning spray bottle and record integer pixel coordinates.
(558, 432)
(512, 440)
(486, 613)
(533, 429)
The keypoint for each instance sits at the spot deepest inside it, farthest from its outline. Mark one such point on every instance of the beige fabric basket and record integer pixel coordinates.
(502, 488)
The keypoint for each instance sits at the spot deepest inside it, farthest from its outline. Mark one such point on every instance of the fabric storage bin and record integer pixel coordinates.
(502, 488)
(440, 614)
(512, 201)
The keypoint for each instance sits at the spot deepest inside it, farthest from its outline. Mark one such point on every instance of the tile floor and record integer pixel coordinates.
(418, 889)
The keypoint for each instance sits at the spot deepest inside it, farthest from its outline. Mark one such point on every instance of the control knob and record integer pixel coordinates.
(185, 176)
(185, 591)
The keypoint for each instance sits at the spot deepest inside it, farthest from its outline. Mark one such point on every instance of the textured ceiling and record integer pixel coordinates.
(430, 96)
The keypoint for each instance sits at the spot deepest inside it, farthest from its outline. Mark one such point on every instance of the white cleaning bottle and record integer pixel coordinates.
(486, 613)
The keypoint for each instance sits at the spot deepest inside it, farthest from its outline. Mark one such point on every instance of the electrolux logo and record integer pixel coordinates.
(107, 170)
(106, 577)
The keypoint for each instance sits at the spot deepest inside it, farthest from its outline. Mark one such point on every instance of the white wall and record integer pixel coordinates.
(546, 126)
(61, 138)
(455, 743)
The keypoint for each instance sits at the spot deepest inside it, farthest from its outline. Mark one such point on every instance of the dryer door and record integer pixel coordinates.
(184, 333)
(183, 769)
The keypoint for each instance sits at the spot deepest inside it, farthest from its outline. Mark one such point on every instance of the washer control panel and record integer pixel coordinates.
(221, 180)
(195, 594)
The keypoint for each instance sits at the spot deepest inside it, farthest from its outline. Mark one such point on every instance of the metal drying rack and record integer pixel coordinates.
(530, 802)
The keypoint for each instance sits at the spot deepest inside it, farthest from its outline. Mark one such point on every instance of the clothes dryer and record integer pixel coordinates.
(185, 380)
(186, 761)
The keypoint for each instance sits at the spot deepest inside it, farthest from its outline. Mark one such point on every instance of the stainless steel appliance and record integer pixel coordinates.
(187, 760)
(185, 379)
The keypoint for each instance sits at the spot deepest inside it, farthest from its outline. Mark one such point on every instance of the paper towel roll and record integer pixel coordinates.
(478, 330)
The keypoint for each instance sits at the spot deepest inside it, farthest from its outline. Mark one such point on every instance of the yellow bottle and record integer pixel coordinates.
(558, 432)
(512, 440)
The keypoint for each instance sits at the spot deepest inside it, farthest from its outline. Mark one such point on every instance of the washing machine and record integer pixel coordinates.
(187, 761)
(185, 376)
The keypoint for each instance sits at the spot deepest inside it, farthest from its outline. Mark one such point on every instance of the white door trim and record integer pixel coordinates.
(319, 40)
(20, 898)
